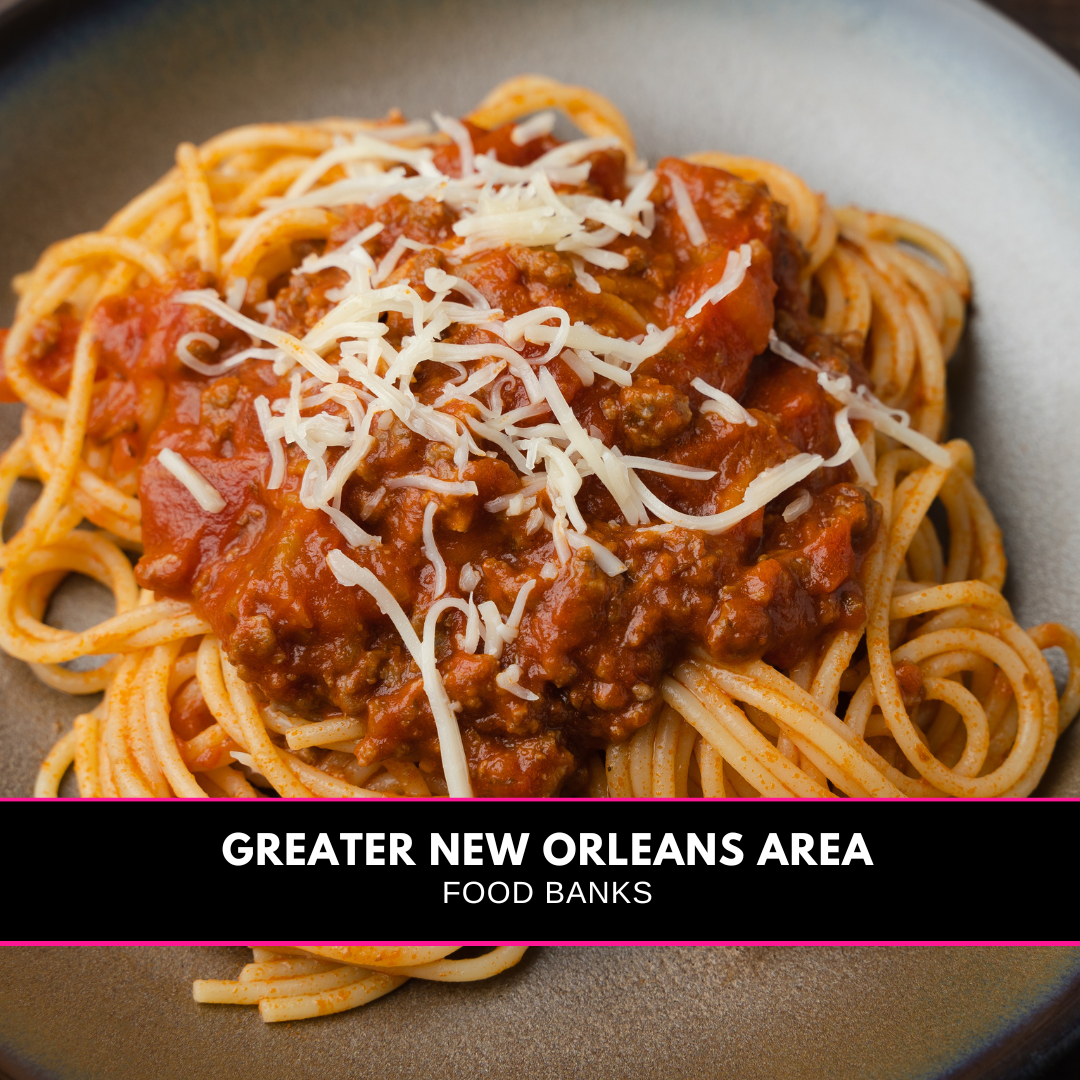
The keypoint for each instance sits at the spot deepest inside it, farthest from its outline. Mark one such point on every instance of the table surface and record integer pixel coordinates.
(1057, 24)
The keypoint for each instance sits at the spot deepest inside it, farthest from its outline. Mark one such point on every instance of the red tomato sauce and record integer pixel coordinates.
(593, 647)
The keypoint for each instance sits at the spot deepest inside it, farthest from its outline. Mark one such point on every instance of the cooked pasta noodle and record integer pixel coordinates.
(930, 689)
(293, 983)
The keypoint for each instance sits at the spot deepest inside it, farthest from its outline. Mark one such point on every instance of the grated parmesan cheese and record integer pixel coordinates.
(335, 425)
(684, 206)
(534, 521)
(765, 487)
(534, 128)
(202, 491)
(722, 404)
(667, 468)
(738, 262)
(798, 506)
(862, 405)
(300, 353)
(451, 749)
(584, 278)
(508, 680)
(272, 434)
(433, 483)
(237, 291)
(431, 550)
(609, 563)
(513, 620)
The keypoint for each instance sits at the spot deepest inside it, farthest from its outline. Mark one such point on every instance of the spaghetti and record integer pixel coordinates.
(471, 462)
(289, 983)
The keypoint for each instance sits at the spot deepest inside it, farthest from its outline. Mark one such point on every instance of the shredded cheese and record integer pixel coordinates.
(492, 632)
(584, 278)
(862, 405)
(472, 627)
(765, 487)
(722, 404)
(431, 550)
(388, 263)
(513, 620)
(273, 443)
(535, 521)
(738, 262)
(498, 632)
(237, 291)
(609, 563)
(508, 680)
(533, 128)
(460, 134)
(668, 468)
(684, 206)
(433, 483)
(592, 451)
(451, 749)
(333, 425)
(299, 352)
(797, 507)
(202, 491)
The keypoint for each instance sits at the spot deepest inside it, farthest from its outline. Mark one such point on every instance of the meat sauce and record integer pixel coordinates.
(593, 647)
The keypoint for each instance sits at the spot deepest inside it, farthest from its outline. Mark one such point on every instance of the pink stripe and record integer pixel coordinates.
(305, 944)
(696, 802)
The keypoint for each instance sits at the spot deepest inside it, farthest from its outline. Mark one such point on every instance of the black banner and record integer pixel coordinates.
(560, 871)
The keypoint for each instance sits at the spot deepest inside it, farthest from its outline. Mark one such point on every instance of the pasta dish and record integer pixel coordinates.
(461, 460)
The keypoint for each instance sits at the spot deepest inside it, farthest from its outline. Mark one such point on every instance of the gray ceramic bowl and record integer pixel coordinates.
(585, 1013)
(936, 109)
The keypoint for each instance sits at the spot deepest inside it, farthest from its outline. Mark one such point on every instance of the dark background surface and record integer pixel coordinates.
(1055, 22)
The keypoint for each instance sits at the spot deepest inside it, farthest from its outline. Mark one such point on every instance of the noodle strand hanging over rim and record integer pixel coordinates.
(291, 983)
